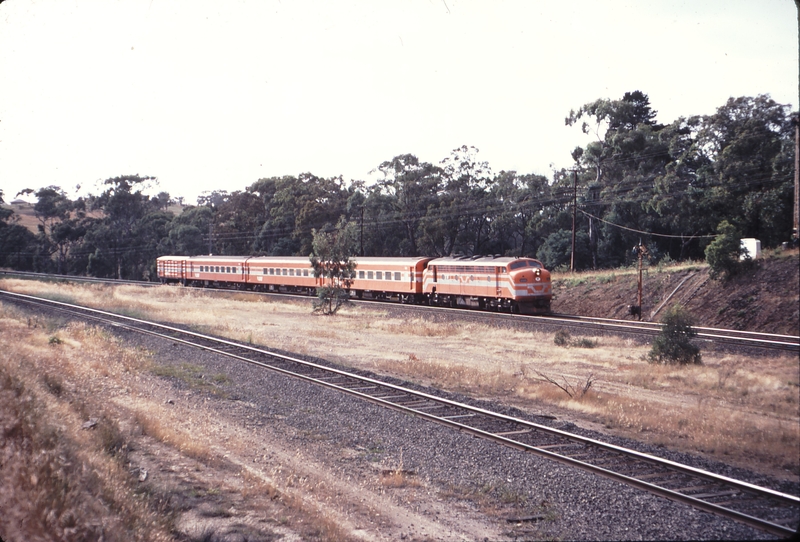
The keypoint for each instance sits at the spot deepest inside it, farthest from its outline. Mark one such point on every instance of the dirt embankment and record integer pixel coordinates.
(766, 299)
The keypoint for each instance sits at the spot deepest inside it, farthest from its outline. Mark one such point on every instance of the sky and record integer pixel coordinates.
(209, 95)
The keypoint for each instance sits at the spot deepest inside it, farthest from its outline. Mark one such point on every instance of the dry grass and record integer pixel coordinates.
(57, 480)
(150, 418)
(62, 478)
(743, 410)
(398, 477)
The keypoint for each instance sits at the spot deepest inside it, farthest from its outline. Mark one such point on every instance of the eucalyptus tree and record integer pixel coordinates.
(411, 188)
(293, 207)
(461, 221)
(625, 160)
(120, 244)
(17, 243)
(188, 232)
(332, 259)
(750, 145)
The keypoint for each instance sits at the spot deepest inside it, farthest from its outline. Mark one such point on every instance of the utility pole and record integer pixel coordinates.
(636, 310)
(361, 237)
(795, 230)
(574, 217)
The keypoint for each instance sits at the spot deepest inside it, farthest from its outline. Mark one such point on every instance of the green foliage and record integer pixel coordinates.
(674, 343)
(679, 181)
(722, 254)
(331, 260)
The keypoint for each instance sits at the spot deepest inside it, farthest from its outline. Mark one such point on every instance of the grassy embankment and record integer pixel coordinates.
(73, 400)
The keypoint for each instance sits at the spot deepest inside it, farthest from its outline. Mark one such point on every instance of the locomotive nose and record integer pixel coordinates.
(530, 276)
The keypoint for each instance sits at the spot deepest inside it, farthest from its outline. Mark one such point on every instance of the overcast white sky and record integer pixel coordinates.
(211, 95)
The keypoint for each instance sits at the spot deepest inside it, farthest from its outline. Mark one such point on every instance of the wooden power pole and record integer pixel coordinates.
(574, 217)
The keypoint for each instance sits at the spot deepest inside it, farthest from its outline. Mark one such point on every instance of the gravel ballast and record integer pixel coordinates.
(554, 500)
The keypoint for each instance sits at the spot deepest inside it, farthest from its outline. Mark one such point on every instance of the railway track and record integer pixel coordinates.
(762, 508)
(729, 337)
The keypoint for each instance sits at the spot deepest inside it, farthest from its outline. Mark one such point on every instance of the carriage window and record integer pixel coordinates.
(297, 272)
(216, 269)
(233, 270)
(378, 275)
(369, 275)
(397, 275)
(285, 271)
(305, 272)
(263, 270)
(361, 274)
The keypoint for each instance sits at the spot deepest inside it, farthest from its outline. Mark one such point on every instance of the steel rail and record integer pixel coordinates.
(731, 336)
(422, 402)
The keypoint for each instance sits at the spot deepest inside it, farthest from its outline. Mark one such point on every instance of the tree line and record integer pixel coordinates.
(669, 186)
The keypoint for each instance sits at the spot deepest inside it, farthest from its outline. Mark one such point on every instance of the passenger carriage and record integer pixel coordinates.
(281, 274)
(389, 278)
(171, 269)
(216, 271)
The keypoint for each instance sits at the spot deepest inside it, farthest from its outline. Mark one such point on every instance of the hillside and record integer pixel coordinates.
(766, 300)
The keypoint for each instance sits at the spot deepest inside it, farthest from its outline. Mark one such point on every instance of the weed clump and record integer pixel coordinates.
(563, 338)
(674, 343)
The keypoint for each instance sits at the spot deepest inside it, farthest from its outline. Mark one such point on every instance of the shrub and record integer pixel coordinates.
(722, 254)
(562, 337)
(674, 343)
